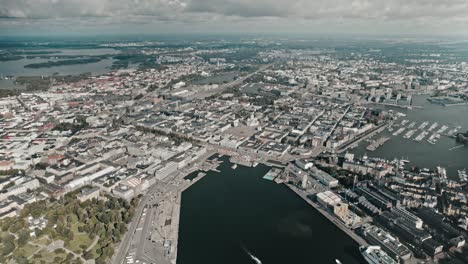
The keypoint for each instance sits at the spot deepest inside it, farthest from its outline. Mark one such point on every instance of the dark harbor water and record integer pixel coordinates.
(423, 154)
(226, 214)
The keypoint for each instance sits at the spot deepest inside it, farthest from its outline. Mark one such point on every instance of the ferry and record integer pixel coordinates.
(375, 255)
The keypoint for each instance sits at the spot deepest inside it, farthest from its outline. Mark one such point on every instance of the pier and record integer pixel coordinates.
(377, 143)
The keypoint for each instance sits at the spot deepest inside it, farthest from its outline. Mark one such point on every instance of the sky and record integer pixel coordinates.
(426, 17)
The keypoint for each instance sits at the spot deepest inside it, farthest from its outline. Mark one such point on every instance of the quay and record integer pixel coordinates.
(332, 219)
(377, 143)
(368, 134)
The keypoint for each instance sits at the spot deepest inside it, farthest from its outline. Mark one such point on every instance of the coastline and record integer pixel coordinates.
(332, 219)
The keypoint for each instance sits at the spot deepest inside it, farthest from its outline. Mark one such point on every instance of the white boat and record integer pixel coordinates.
(254, 258)
(337, 261)
(375, 255)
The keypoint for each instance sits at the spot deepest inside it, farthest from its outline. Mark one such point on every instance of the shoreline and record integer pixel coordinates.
(333, 220)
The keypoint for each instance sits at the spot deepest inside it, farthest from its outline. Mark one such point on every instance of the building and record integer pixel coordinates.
(328, 199)
(375, 198)
(123, 191)
(408, 216)
(304, 164)
(324, 178)
(390, 244)
(340, 209)
(88, 193)
(431, 247)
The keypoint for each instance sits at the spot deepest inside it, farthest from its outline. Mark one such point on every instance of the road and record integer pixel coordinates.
(157, 193)
(127, 239)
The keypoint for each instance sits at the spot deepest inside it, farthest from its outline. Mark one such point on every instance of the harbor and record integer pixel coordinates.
(438, 147)
(235, 211)
(334, 220)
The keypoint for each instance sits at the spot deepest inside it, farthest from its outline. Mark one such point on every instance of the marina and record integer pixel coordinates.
(437, 148)
(424, 129)
(433, 139)
(399, 131)
(433, 126)
(421, 136)
(409, 134)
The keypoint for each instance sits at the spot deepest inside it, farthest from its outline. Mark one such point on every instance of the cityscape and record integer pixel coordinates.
(232, 148)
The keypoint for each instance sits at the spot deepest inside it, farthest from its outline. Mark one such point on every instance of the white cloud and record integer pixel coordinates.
(431, 14)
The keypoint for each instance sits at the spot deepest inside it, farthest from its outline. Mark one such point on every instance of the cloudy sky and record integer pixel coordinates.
(428, 17)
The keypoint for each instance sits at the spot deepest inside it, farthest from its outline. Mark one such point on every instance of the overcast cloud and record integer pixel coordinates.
(392, 15)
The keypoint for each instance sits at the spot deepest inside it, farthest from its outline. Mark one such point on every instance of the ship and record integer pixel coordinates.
(375, 255)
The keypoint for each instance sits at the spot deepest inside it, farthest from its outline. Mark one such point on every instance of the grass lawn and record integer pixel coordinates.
(42, 241)
(25, 251)
(48, 257)
(78, 240)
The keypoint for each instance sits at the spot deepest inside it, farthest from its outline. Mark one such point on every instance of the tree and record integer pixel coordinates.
(8, 247)
(23, 237)
(100, 260)
(107, 251)
(88, 255)
(21, 260)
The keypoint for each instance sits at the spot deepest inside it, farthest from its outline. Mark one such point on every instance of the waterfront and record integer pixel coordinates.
(230, 212)
(423, 154)
(16, 67)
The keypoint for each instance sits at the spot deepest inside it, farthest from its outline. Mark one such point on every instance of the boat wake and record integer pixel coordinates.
(254, 258)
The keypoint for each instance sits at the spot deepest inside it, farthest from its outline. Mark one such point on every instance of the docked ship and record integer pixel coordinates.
(375, 255)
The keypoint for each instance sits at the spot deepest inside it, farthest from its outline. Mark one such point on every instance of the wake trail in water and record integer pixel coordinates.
(252, 256)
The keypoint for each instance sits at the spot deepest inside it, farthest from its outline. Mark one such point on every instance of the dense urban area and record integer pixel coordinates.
(93, 166)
